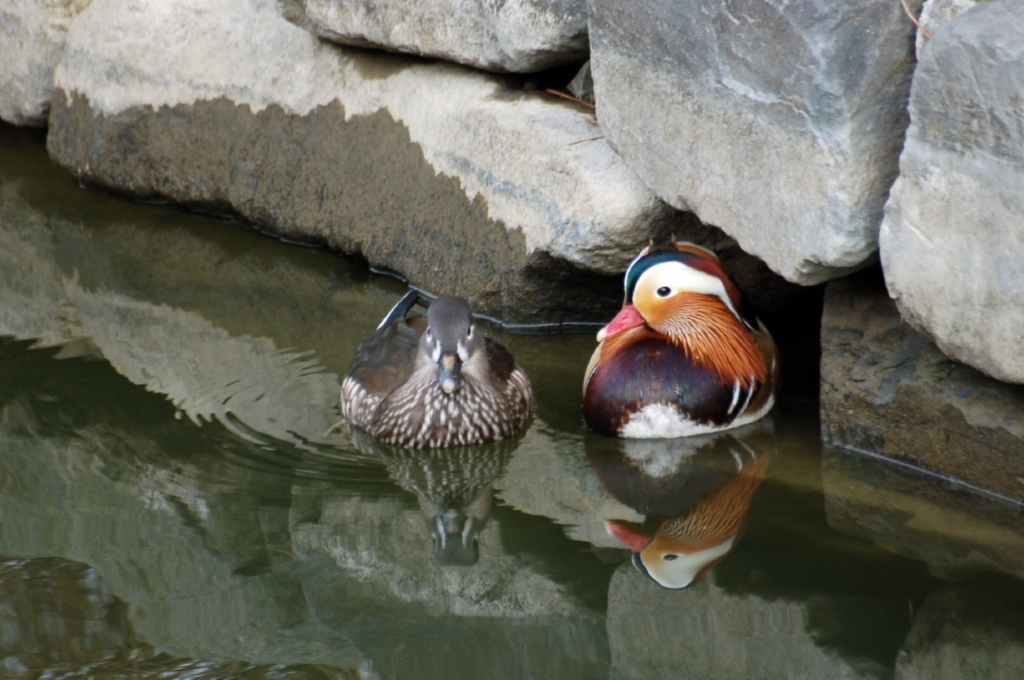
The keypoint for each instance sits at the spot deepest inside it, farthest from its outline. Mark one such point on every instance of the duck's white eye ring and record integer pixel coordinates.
(664, 291)
(470, 333)
(430, 336)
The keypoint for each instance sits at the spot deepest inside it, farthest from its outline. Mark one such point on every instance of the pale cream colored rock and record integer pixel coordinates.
(516, 35)
(952, 242)
(935, 14)
(577, 202)
(31, 43)
(780, 122)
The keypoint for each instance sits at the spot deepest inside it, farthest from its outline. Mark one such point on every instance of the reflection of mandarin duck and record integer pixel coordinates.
(454, 488)
(434, 381)
(696, 512)
(683, 357)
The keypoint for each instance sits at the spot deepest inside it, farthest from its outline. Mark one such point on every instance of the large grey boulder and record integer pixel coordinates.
(952, 243)
(780, 122)
(888, 390)
(518, 35)
(440, 173)
(31, 43)
(936, 13)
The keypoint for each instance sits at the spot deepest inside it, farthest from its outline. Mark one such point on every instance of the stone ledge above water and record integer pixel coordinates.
(887, 389)
(520, 36)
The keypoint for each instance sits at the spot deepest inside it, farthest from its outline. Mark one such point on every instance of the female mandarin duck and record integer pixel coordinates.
(434, 381)
(683, 357)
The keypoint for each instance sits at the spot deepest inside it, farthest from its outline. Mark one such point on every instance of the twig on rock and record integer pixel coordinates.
(590, 119)
(906, 9)
(580, 141)
(566, 95)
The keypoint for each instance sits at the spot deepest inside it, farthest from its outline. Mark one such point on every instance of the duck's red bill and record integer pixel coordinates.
(627, 318)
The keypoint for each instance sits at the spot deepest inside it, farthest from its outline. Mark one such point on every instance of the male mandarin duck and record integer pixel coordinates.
(683, 357)
(435, 381)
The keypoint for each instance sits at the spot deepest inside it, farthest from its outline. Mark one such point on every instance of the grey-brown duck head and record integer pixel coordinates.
(451, 340)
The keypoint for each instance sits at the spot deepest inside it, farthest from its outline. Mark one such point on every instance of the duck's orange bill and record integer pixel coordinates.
(630, 533)
(627, 318)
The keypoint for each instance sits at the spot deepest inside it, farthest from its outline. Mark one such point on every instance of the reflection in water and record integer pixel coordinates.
(695, 493)
(59, 619)
(252, 537)
(454, 487)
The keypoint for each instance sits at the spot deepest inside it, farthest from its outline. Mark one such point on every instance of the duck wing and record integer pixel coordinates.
(508, 376)
(383, 362)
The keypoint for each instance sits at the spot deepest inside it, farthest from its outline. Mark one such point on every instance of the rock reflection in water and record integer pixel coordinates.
(454, 487)
(59, 619)
(695, 493)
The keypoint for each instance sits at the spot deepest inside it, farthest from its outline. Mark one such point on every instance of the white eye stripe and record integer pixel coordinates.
(625, 279)
(677, 277)
(463, 354)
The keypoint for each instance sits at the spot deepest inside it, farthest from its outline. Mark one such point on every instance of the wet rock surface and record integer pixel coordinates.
(31, 43)
(521, 36)
(887, 389)
(951, 243)
(497, 203)
(781, 123)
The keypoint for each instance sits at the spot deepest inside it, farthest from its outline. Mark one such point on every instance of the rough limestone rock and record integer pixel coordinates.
(780, 122)
(966, 633)
(519, 36)
(952, 243)
(886, 389)
(431, 170)
(936, 13)
(31, 43)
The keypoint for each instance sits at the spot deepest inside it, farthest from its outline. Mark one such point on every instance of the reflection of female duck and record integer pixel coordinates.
(695, 494)
(454, 487)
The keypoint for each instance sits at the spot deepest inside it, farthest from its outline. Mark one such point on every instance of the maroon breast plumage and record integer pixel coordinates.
(683, 357)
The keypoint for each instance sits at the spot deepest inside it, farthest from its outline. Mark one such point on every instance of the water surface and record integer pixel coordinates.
(171, 505)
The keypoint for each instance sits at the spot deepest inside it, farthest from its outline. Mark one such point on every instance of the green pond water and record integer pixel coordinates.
(170, 505)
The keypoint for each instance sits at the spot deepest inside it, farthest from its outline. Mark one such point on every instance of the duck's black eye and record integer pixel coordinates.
(669, 558)
(430, 336)
(470, 333)
(664, 291)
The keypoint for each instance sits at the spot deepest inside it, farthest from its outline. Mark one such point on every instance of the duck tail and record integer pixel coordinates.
(403, 306)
